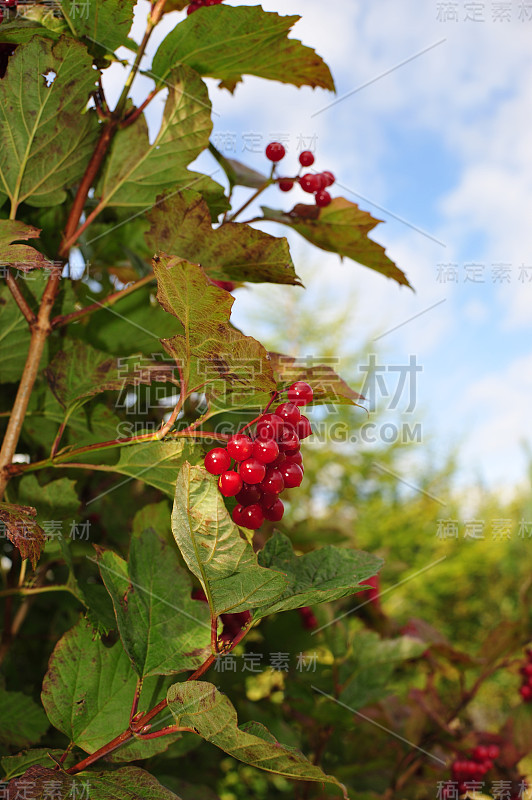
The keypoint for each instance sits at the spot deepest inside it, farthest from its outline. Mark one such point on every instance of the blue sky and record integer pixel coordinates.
(442, 143)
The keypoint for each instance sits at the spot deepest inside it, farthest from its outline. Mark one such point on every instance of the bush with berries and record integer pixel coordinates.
(152, 452)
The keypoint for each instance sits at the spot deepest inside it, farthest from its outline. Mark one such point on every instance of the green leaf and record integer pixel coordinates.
(19, 763)
(78, 372)
(317, 577)
(162, 629)
(55, 500)
(230, 368)
(201, 706)
(213, 549)
(46, 140)
(14, 338)
(21, 31)
(113, 332)
(128, 783)
(258, 44)
(181, 225)
(327, 385)
(37, 20)
(22, 722)
(136, 173)
(341, 227)
(104, 24)
(245, 176)
(371, 664)
(22, 530)
(88, 692)
(20, 256)
(157, 463)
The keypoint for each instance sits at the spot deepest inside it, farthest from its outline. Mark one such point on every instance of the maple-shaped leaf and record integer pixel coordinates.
(181, 225)
(258, 45)
(327, 385)
(233, 370)
(343, 228)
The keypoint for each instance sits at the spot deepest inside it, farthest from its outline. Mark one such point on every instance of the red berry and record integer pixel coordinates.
(275, 151)
(252, 516)
(487, 765)
(480, 753)
(295, 458)
(230, 483)
(300, 393)
(269, 426)
(526, 693)
(265, 450)
(279, 460)
(193, 7)
(273, 482)
(252, 470)
(199, 594)
(527, 669)
(289, 440)
(309, 183)
(240, 447)
(285, 185)
(217, 461)
(323, 198)
(289, 413)
(249, 495)
(308, 619)
(329, 178)
(306, 158)
(494, 751)
(275, 512)
(303, 427)
(292, 475)
(267, 500)
(237, 515)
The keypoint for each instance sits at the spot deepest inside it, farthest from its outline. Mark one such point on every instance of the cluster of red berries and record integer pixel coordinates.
(266, 463)
(465, 772)
(195, 4)
(526, 671)
(315, 183)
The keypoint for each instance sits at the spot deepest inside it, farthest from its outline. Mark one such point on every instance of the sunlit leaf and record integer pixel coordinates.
(213, 549)
(341, 227)
(201, 706)
(182, 226)
(258, 45)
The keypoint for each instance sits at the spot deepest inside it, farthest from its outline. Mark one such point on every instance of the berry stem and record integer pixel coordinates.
(250, 200)
(274, 397)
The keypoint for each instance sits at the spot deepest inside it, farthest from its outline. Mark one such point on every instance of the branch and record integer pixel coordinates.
(111, 299)
(19, 299)
(40, 332)
(135, 114)
(165, 732)
(251, 199)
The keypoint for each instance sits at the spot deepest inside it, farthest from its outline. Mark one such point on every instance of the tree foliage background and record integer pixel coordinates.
(297, 678)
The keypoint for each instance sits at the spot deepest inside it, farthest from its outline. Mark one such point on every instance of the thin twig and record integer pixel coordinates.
(19, 299)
